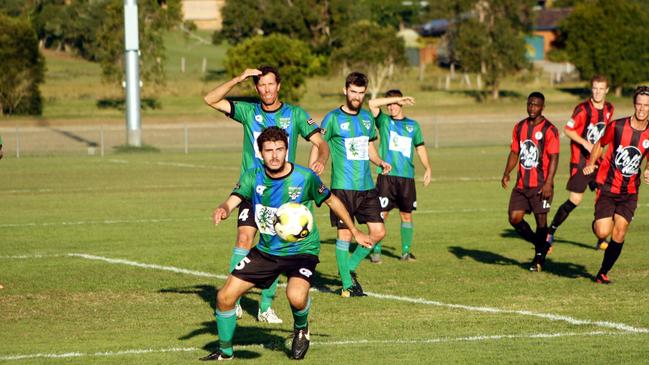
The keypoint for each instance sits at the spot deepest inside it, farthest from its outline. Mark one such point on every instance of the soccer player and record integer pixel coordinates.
(350, 132)
(618, 178)
(268, 187)
(400, 138)
(584, 130)
(535, 149)
(254, 117)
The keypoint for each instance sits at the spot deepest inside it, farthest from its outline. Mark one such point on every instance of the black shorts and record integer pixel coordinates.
(529, 200)
(396, 191)
(364, 206)
(246, 215)
(608, 204)
(578, 182)
(262, 269)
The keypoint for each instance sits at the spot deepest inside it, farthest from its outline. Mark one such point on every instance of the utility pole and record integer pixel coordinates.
(131, 55)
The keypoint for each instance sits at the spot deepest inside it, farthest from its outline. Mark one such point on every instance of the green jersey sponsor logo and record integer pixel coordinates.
(265, 217)
(367, 124)
(284, 122)
(294, 192)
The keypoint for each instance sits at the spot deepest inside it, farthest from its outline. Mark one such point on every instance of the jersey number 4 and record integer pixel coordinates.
(244, 215)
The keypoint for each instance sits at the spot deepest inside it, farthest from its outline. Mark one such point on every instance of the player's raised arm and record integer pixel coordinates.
(224, 209)
(341, 212)
(216, 98)
(376, 104)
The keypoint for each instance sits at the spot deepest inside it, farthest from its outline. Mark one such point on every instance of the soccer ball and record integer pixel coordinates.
(293, 222)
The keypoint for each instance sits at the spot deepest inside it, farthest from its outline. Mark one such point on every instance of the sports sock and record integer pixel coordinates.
(226, 322)
(238, 253)
(267, 296)
(342, 260)
(562, 213)
(524, 230)
(407, 231)
(541, 245)
(359, 254)
(377, 248)
(300, 316)
(610, 256)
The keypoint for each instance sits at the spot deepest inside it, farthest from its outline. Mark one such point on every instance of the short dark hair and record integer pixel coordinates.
(356, 78)
(640, 90)
(272, 134)
(599, 78)
(393, 92)
(265, 70)
(537, 94)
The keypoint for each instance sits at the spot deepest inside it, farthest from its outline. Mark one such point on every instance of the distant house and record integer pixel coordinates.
(206, 14)
(545, 31)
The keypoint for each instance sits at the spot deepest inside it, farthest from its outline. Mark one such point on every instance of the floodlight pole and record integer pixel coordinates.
(131, 55)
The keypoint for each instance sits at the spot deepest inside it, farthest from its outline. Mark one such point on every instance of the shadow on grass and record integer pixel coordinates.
(120, 104)
(563, 269)
(75, 137)
(511, 233)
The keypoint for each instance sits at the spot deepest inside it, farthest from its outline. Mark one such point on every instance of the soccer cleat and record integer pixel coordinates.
(269, 316)
(355, 283)
(300, 343)
(408, 257)
(375, 258)
(217, 355)
(537, 264)
(601, 245)
(602, 278)
(352, 291)
(238, 311)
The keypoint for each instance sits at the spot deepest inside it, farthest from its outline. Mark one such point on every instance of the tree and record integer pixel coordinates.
(619, 50)
(22, 67)
(491, 41)
(371, 49)
(292, 58)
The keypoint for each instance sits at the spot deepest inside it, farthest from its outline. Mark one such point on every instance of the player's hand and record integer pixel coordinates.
(426, 177)
(407, 100)
(386, 168)
(318, 167)
(646, 176)
(546, 191)
(505, 181)
(363, 239)
(588, 146)
(219, 214)
(248, 73)
(589, 169)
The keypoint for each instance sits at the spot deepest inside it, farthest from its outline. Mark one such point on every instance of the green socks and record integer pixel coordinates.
(377, 248)
(406, 237)
(238, 253)
(226, 322)
(300, 316)
(359, 254)
(267, 296)
(342, 260)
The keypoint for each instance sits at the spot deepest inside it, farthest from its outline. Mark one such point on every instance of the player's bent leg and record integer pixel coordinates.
(613, 250)
(375, 255)
(520, 225)
(603, 227)
(376, 233)
(246, 236)
(342, 258)
(297, 293)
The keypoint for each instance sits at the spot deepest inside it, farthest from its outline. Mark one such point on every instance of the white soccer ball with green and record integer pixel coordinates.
(293, 222)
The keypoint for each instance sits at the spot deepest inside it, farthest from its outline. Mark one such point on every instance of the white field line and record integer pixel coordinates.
(313, 343)
(548, 316)
(104, 189)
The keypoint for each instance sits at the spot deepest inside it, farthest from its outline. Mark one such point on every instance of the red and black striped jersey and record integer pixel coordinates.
(619, 171)
(534, 144)
(589, 122)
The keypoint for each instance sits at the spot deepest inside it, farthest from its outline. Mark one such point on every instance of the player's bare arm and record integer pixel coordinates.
(423, 157)
(512, 159)
(376, 159)
(223, 211)
(595, 154)
(574, 136)
(216, 97)
(548, 186)
(319, 153)
(376, 104)
(341, 212)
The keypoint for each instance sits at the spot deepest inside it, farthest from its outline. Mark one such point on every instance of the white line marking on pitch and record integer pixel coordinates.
(552, 317)
(314, 343)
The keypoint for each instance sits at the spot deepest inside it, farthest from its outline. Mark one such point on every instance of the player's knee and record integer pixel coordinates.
(244, 240)
(378, 233)
(296, 300)
(225, 300)
(619, 233)
(515, 219)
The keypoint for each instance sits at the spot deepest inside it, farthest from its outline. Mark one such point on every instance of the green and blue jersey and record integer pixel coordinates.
(399, 138)
(267, 194)
(293, 119)
(349, 136)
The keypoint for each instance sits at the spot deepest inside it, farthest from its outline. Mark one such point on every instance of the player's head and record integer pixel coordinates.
(355, 87)
(267, 84)
(535, 104)
(273, 147)
(599, 88)
(641, 103)
(394, 109)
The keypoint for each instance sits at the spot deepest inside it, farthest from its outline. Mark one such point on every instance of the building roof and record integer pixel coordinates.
(549, 19)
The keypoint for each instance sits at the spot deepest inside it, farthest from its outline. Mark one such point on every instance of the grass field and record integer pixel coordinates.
(115, 260)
